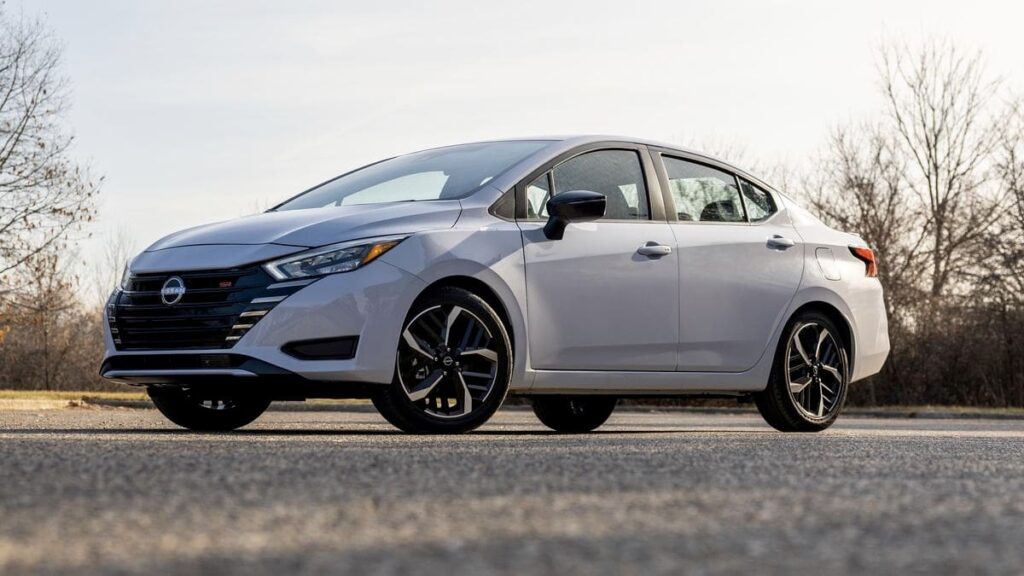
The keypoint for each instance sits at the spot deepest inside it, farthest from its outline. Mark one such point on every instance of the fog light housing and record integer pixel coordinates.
(343, 348)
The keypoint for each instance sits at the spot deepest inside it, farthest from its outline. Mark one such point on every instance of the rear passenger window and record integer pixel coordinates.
(703, 193)
(615, 173)
(759, 203)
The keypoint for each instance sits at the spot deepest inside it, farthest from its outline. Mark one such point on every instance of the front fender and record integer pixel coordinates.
(491, 254)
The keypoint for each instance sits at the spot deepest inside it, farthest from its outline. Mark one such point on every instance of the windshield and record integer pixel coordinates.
(441, 174)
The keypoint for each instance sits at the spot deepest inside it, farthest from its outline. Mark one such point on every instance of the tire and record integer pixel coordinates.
(453, 365)
(207, 415)
(807, 389)
(573, 414)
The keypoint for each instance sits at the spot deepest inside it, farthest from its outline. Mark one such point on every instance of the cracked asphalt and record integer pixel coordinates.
(120, 491)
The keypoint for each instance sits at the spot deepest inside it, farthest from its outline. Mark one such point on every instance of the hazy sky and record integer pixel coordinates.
(197, 111)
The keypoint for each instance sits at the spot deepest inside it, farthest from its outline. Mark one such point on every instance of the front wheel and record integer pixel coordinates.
(810, 377)
(573, 414)
(203, 412)
(453, 367)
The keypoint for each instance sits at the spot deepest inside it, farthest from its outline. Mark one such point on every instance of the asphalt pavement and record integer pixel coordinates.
(99, 491)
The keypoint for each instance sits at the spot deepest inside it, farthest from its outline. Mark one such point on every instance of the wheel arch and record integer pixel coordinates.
(481, 289)
(833, 313)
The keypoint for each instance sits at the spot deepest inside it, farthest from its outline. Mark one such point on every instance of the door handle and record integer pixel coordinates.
(654, 250)
(780, 242)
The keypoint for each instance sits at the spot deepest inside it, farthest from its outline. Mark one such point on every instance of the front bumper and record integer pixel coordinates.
(369, 303)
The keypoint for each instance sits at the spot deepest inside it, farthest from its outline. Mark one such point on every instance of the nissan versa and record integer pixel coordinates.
(573, 271)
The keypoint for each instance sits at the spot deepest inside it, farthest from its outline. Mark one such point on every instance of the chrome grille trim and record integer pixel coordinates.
(268, 300)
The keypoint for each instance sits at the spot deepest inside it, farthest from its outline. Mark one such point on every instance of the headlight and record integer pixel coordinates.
(343, 257)
(126, 277)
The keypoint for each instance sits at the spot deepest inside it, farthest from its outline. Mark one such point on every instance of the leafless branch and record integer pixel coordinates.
(44, 194)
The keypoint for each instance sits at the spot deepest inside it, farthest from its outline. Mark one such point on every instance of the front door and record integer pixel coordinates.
(601, 298)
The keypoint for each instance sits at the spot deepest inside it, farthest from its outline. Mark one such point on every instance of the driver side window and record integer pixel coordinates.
(617, 174)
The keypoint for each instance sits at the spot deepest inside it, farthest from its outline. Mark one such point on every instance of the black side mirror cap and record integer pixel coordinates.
(574, 206)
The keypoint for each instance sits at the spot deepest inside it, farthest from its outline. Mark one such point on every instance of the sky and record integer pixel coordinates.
(200, 111)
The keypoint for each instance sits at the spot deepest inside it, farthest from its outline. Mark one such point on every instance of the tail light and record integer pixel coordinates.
(867, 256)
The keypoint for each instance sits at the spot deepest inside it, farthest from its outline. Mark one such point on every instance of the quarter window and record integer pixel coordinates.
(537, 195)
(759, 203)
(615, 173)
(703, 193)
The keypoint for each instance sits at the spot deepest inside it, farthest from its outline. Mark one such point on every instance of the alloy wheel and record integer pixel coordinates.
(446, 365)
(816, 371)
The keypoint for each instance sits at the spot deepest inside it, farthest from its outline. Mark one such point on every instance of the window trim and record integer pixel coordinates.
(655, 196)
(670, 206)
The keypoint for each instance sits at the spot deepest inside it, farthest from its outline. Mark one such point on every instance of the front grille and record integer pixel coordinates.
(216, 310)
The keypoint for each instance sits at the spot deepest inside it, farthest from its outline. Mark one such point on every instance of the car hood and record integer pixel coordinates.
(314, 227)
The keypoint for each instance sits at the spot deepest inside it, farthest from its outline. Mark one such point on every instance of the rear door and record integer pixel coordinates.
(740, 263)
(593, 301)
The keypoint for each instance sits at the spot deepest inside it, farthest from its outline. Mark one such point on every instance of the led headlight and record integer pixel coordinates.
(126, 277)
(332, 259)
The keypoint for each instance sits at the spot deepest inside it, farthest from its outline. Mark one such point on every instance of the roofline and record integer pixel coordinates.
(597, 138)
(565, 143)
(579, 140)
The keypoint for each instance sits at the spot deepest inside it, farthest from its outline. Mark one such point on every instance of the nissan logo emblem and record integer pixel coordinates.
(172, 291)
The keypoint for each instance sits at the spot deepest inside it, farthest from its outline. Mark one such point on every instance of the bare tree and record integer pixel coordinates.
(38, 311)
(1008, 240)
(860, 187)
(118, 248)
(940, 103)
(926, 185)
(44, 194)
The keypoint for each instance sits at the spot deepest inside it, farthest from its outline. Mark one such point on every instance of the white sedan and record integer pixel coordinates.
(574, 271)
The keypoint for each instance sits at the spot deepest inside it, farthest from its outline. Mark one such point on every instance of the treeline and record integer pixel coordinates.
(934, 182)
(49, 338)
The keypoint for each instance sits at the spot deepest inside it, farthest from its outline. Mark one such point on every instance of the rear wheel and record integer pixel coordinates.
(453, 367)
(201, 412)
(810, 377)
(573, 414)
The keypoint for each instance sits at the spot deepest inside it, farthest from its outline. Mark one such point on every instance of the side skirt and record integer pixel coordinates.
(649, 383)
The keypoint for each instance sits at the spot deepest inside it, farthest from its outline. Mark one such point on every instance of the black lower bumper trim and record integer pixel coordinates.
(241, 374)
(191, 362)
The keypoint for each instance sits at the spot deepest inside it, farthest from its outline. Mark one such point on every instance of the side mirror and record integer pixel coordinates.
(574, 206)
